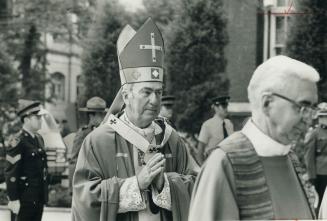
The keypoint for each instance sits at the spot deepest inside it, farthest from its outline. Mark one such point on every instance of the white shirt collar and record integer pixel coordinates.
(263, 144)
(218, 118)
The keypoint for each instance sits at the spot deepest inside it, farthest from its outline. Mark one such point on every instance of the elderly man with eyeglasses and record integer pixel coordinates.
(254, 173)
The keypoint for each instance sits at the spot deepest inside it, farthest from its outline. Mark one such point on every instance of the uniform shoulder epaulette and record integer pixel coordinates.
(15, 139)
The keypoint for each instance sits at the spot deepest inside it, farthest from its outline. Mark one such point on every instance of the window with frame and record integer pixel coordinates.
(79, 86)
(277, 25)
(58, 86)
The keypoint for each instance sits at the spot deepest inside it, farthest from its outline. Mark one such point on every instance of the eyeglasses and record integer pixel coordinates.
(306, 111)
(35, 116)
(222, 104)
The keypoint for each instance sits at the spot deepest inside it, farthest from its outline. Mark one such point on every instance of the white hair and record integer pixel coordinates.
(276, 74)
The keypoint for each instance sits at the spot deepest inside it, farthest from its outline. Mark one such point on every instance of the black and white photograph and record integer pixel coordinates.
(163, 110)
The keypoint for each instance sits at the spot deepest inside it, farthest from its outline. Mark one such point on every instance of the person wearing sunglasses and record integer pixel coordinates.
(215, 129)
(254, 173)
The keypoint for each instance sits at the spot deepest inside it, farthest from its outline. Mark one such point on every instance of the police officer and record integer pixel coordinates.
(166, 109)
(95, 109)
(26, 169)
(167, 104)
(214, 130)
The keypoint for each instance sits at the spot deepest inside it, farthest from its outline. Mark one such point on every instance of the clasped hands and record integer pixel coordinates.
(152, 173)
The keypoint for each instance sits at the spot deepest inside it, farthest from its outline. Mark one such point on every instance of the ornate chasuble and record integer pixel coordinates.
(107, 159)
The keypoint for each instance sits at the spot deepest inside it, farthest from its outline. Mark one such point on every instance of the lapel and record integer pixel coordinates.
(32, 142)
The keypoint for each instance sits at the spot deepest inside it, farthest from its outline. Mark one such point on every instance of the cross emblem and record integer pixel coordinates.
(153, 47)
(112, 121)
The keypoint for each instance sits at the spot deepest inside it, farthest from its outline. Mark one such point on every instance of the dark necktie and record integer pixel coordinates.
(224, 130)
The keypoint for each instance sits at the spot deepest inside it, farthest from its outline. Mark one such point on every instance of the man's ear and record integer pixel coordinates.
(266, 101)
(125, 95)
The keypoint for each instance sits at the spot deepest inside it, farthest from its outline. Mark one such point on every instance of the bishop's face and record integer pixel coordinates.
(143, 102)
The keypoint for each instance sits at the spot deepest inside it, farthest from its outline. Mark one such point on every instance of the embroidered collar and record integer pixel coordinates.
(263, 144)
(143, 131)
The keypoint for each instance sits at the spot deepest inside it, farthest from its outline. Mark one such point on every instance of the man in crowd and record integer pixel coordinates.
(95, 109)
(167, 104)
(214, 130)
(254, 174)
(134, 166)
(26, 170)
(316, 155)
(167, 111)
(11, 126)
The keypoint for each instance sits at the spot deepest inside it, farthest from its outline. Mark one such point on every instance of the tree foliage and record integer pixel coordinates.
(8, 79)
(307, 40)
(162, 12)
(195, 60)
(99, 63)
(23, 34)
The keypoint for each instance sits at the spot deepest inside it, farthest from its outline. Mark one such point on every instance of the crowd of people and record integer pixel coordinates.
(131, 163)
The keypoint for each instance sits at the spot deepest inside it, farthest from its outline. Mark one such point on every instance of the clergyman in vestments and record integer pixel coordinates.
(134, 166)
(254, 173)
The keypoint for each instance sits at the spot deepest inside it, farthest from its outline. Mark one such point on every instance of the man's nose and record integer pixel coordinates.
(155, 99)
